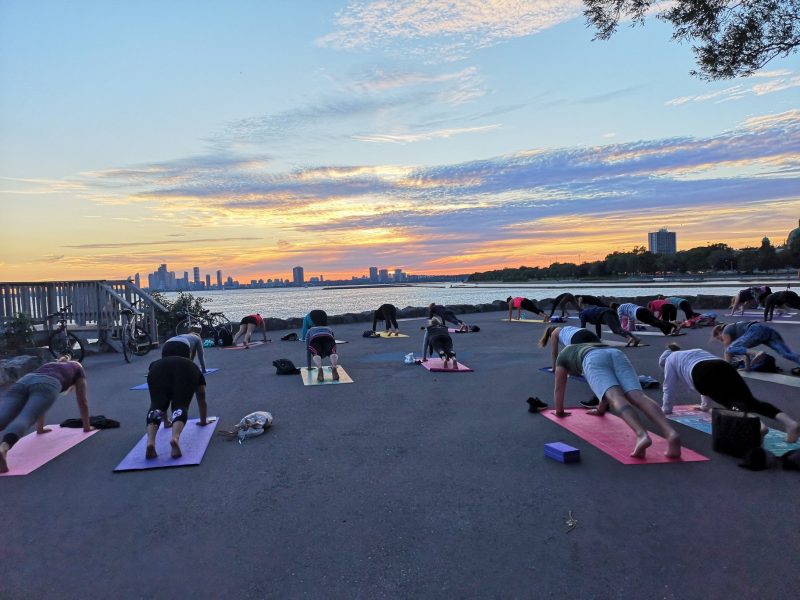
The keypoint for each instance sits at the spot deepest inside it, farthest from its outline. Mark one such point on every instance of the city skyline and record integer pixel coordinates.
(428, 135)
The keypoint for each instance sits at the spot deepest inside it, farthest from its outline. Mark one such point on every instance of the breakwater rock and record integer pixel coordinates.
(702, 302)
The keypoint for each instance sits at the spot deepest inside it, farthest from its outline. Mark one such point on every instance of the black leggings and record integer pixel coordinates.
(176, 348)
(530, 306)
(645, 316)
(669, 312)
(611, 319)
(389, 315)
(562, 301)
(687, 309)
(721, 382)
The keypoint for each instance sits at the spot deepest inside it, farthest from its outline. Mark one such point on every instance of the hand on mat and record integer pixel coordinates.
(206, 422)
(44, 430)
(595, 411)
(562, 414)
(91, 428)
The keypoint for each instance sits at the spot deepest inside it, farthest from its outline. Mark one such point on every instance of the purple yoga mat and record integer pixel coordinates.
(33, 451)
(194, 441)
(143, 386)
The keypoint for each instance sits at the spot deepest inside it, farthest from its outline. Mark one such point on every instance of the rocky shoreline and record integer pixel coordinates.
(716, 303)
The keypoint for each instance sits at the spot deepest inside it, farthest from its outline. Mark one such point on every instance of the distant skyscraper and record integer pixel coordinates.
(398, 275)
(297, 276)
(662, 242)
(219, 279)
(196, 276)
(208, 281)
(137, 281)
(383, 275)
(373, 274)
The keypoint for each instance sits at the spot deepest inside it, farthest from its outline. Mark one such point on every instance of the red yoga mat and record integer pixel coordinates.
(613, 436)
(437, 366)
(33, 451)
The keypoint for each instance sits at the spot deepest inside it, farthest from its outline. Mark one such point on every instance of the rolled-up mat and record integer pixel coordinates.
(613, 436)
(194, 441)
(34, 450)
(310, 376)
(701, 421)
(436, 365)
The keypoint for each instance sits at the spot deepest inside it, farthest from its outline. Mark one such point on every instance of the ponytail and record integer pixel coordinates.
(546, 336)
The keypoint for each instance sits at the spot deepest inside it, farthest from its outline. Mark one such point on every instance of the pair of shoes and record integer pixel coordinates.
(591, 402)
(535, 405)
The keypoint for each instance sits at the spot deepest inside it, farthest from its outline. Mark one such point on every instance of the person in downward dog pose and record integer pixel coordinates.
(388, 313)
(597, 316)
(247, 326)
(172, 382)
(521, 304)
(613, 379)
(715, 380)
(27, 401)
(562, 302)
(629, 313)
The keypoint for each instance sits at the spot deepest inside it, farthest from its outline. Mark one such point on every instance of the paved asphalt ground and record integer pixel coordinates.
(405, 484)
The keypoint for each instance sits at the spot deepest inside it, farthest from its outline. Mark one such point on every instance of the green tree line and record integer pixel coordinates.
(639, 261)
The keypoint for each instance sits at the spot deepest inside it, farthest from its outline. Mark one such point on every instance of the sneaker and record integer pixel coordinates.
(591, 402)
(535, 405)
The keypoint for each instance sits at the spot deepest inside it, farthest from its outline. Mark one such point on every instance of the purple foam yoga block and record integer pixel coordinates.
(562, 452)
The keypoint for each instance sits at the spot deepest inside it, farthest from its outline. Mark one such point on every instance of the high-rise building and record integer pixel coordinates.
(196, 276)
(383, 275)
(137, 281)
(297, 276)
(373, 274)
(662, 242)
(398, 275)
(219, 279)
(208, 281)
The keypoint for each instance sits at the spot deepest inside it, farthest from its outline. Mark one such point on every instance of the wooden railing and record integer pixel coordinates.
(96, 305)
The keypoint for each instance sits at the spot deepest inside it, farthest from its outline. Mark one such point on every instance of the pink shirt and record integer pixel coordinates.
(517, 302)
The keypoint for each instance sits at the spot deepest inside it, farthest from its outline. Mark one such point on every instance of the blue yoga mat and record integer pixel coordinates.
(701, 421)
(143, 386)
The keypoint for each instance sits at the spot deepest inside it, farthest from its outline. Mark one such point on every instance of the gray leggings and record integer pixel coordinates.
(26, 401)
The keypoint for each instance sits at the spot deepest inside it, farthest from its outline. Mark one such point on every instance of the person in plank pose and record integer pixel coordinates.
(247, 326)
(172, 382)
(782, 299)
(663, 309)
(446, 316)
(629, 313)
(718, 381)
(521, 304)
(27, 401)
(738, 337)
(388, 313)
(585, 300)
(750, 297)
(613, 379)
(564, 335)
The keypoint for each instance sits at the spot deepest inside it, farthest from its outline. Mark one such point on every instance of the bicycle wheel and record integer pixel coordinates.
(63, 342)
(182, 327)
(142, 342)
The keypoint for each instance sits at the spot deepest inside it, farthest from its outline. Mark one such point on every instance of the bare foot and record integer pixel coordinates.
(792, 433)
(642, 444)
(320, 374)
(455, 364)
(175, 449)
(334, 373)
(445, 363)
(673, 446)
(150, 452)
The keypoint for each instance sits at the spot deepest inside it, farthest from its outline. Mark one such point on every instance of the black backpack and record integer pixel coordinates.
(765, 363)
(96, 421)
(290, 337)
(283, 366)
(224, 337)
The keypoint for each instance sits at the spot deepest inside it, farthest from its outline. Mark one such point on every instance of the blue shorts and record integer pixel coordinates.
(607, 367)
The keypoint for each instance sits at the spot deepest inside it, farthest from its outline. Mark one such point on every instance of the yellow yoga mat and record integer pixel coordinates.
(526, 321)
(385, 334)
(792, 380)
(309, 376)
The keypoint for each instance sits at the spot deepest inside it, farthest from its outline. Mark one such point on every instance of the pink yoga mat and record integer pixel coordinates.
(33, 451)
(611, 435)
(437, 366)
(194, 441)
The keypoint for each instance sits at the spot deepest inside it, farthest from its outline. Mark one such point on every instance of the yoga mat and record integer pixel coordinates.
(760, 313)
(436, 365)
(780, 378)
(143, 386)
(611, 435)
(33, 450)
(658, 333)
(252, 344)
(525, 321)
(701, 421)
(194, 441)
(385, 334)
(575, 377)
(309, 376)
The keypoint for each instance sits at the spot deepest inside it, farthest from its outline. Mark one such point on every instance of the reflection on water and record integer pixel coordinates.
(296, 302)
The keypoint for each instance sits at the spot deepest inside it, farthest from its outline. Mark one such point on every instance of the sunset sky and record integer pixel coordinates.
(435, 136)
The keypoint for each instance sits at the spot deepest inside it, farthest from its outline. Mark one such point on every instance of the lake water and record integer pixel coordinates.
(284, 303)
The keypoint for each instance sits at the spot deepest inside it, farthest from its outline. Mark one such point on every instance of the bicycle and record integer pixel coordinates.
(135, 340)
(62, 341)
(210, 322)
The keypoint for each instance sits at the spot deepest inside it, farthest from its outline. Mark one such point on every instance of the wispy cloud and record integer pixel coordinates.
(442, 29)
(155, 243)
(399, 138)
(778, 81)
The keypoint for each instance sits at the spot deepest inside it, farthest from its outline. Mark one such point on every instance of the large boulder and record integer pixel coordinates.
(12, 369)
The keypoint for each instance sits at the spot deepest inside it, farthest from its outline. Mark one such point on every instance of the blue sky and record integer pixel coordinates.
(428, 135)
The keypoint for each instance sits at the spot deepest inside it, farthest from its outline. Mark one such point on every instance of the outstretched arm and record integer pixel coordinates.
(554, 349)
(559, 391)
(81, 396)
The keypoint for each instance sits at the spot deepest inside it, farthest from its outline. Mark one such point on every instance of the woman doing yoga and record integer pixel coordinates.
(321, 343)
(521, 304)
(561, 302)
(629, 313)
(750, 297)
(717, 380)
(315, 318)
(247, 326)
(783, 299)
(597, 316)
(662, 309)
(613, 379)
(565, 335)
(437, 340)
(738, 337)
(388, 313)
(27, 401)
(187, 345)
(446, 316)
